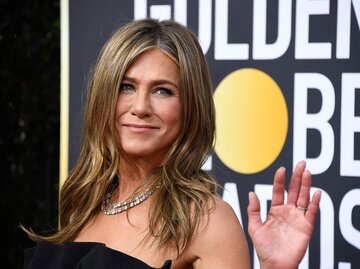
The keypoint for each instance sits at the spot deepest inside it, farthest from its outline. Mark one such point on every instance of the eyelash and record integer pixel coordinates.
(122, 87)
(168, 92)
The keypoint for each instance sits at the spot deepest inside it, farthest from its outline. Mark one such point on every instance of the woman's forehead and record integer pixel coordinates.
(153, 64)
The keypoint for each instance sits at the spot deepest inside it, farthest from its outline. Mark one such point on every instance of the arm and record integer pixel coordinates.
(281, 241)
(221, 242)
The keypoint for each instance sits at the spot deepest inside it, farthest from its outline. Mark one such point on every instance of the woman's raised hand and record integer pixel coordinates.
(281, 240)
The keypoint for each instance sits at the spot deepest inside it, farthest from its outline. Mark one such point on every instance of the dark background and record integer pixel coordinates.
(29, 129)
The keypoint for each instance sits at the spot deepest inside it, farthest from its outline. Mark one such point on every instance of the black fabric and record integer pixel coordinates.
(81, 255)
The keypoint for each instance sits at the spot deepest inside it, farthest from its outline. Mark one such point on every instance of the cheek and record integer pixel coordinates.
(120, 107)
(119, 111)
(173, 115)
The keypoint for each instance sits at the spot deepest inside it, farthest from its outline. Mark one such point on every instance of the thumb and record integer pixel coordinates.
(253, 213)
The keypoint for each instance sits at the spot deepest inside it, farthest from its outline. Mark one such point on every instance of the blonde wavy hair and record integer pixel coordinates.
(186, 191)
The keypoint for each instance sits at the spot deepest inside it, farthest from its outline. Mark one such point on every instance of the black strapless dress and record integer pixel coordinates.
(81, 255)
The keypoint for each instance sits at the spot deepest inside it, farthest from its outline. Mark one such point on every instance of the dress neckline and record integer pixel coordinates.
(86, 247)
(113, 250)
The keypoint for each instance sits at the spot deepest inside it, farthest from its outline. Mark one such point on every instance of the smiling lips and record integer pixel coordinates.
(139, 127)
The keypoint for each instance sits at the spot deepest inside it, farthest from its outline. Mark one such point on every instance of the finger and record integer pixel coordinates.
(313, 207)
(278, 188)
(253, 213)
(295, 183)
(304, 194)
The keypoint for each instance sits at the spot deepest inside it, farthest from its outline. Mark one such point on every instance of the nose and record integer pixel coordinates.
(141, 106)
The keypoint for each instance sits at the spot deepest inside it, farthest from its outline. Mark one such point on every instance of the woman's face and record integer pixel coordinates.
(148, 110)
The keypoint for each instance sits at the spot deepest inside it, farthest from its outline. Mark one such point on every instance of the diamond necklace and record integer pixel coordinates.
(116, 208)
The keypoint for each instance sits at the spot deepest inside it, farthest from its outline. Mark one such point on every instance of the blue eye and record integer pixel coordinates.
(127, 88)
(164, 92)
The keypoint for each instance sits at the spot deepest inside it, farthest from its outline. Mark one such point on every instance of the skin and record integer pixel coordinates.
(281, 241)
(148, 110)
(148, 118)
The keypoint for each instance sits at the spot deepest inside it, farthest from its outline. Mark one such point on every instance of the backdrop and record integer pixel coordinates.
(286, 77)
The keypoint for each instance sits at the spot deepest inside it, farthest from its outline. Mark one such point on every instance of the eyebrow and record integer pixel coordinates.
(155, 82)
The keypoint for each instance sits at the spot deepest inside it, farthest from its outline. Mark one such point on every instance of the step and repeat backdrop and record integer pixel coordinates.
(286, 77)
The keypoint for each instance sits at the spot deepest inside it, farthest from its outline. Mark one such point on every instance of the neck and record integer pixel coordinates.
(133, 174)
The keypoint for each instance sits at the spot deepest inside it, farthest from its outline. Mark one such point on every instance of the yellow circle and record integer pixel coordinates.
(251, 120)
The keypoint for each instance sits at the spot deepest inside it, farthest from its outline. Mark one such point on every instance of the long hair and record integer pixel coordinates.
(185, 191)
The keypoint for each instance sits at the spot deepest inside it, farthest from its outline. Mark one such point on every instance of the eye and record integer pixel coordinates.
(164, 91)
(126, 88)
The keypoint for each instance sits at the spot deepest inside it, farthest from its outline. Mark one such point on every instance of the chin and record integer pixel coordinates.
(144, 154)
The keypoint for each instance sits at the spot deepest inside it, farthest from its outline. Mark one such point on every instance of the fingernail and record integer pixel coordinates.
(282, 169)
(301, 163)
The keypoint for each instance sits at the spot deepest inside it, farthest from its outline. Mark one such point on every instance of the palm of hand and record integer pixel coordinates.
(281, 241)
(283, 238)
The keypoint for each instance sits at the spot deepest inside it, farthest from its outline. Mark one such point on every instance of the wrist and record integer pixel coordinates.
(267, 266)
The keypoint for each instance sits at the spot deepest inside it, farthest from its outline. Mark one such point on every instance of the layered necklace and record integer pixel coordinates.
(115, 208)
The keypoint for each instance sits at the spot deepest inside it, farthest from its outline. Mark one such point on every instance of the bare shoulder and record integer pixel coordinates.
(221, 211)
(220, 222)
(220, 241)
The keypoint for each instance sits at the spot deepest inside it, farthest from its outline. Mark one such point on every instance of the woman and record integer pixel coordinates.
(137, 197)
